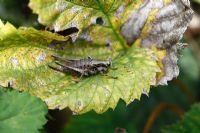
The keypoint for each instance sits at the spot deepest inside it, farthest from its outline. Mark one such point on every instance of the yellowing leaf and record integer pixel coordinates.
(189, 123)
(99, 16)
(63, 14)
(141, 37)
(25, 55)
(157, 25)
(134, 74)
(160, 25)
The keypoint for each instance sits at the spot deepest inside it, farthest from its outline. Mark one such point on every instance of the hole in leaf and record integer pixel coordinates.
(68, 31)
(108, 45)
(99, 21)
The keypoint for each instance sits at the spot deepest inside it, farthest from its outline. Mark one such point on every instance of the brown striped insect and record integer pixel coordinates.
(81, 67)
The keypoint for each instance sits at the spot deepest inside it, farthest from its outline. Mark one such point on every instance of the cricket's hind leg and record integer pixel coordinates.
(62, 60)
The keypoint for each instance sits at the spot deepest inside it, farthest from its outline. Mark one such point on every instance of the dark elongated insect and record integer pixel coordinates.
(81, 67)
(83, 63)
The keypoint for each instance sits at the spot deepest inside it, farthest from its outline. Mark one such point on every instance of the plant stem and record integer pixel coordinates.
(154, 115)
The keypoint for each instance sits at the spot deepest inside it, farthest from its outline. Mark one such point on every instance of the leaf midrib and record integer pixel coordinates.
(111, 25)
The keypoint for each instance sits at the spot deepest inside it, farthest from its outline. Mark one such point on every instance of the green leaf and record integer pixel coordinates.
(25, 56)
(198, 1)
(190, 123)
(188, 62)
(21, 112)
(14, 12)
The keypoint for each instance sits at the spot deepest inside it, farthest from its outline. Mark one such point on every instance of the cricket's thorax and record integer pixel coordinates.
(82, 67)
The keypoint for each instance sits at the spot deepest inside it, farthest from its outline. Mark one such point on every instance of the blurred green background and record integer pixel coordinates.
(178, 96)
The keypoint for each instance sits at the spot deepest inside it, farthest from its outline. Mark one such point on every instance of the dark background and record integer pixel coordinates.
(167, 102)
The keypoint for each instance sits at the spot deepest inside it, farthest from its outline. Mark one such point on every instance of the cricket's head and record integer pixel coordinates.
(107, 62)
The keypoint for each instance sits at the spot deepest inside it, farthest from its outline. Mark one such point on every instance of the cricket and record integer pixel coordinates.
(81, 67)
